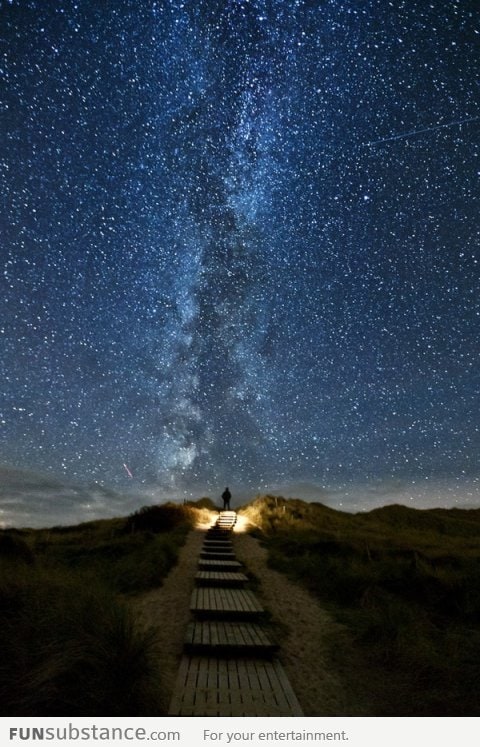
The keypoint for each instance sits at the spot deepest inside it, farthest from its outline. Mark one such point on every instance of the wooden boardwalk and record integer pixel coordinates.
(220, 578)
(218, 565)
(217, 686)
(229, 666)
(239, 604)
(217, 555)
(216, 636)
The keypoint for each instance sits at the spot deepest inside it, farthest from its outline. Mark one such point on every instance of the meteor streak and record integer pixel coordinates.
(128, 471)
(433, 128)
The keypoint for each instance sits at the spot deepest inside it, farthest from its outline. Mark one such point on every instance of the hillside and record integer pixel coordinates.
(70, 642)
(406, 585)
(402, 585)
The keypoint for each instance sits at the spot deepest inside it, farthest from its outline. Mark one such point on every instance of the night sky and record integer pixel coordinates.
(240, 243)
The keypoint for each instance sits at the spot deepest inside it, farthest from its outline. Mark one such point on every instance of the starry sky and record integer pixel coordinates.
(240, 242)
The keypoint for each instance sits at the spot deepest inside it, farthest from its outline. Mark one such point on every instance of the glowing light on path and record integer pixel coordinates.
(242, 524)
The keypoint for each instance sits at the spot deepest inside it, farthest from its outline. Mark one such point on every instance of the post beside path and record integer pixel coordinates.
(229, 667)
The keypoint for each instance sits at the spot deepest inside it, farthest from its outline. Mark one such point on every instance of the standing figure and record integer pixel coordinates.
(226, 495)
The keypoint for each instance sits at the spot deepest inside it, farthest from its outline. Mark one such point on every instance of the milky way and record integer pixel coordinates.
(240, 241)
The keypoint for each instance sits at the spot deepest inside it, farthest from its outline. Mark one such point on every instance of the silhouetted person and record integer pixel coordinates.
(226, 496)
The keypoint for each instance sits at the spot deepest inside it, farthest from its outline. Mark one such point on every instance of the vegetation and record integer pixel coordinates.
(405, 583)
(70, 644)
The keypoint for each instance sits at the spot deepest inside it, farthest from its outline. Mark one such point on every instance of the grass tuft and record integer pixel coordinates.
(71, 647)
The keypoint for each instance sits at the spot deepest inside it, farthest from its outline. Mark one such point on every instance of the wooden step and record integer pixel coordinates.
(224, 637)
(219, 565)
(219, 542)
(220, 578)
(217, 686)
(218, 532)
(222, 538)
(239, 604)
(225, 522)
(217, 555)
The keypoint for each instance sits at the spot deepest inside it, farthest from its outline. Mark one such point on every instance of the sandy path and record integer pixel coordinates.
(304, 626)
(168, 610)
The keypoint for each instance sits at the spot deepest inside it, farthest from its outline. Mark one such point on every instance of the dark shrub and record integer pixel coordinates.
(203, 503)
(70, 647)
(157, 518)
(15, 548)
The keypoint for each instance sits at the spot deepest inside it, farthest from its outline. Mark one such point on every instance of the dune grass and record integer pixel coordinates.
(70, 647)
(406, 584)
(128, 555)
(70, 644)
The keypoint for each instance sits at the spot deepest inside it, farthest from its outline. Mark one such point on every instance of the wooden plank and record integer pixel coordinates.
(236, 696)
(221, 602)
(264, 684)
(182, 686)
(234, 687)
(220, 578)
(225, 543)
(218, 531)
(202, 677)
(217, 555)
(254, 683)
(218, 537)
(218, 540)
(287, 689)
(222, 540)
(208, 564)
(224, 697)
(221, 637)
